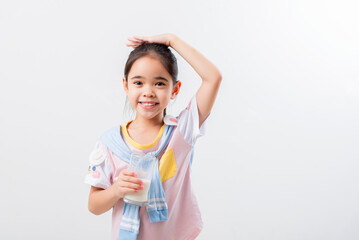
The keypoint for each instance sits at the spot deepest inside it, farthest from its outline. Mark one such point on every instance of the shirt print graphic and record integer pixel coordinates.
(168, 166)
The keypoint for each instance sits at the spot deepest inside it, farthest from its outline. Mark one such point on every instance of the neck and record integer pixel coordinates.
(140, 122)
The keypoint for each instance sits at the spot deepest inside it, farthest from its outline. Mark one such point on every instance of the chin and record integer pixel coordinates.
(149, 116)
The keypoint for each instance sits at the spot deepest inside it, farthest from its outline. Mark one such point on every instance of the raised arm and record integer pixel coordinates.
(211, 77)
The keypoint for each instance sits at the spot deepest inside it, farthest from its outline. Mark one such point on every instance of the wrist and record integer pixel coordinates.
(173, 38)
(116, 194)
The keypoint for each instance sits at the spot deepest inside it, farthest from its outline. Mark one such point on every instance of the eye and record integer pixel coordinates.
(160, 84)
(137, 83)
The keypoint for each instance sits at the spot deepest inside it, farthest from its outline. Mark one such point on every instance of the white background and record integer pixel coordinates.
(280, 159)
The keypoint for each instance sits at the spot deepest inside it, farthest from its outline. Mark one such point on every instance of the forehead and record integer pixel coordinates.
(148, 67)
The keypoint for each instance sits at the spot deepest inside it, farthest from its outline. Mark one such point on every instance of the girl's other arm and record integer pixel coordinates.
(211, 77)
(102, 200)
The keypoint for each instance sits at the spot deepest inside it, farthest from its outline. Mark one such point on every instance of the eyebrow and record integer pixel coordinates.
(158, 78)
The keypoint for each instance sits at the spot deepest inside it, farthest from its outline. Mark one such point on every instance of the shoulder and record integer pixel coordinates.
(171, 120)
(111, 132)
(100, 168)
(188, 122)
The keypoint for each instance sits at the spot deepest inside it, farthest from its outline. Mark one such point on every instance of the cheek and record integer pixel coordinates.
(165, 95)
(133, 92)
(133, 97)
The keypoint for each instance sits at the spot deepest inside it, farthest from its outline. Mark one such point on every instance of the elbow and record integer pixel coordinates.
(215, 79)
(219, 77)
(93, 210)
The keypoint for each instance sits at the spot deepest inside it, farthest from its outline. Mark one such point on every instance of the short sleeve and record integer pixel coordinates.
(188, 123)
(100, 170)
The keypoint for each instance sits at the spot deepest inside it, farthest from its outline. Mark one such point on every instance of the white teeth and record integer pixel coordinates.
(148, 104)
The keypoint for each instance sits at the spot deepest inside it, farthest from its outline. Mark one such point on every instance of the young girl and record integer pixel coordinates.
(150, 82)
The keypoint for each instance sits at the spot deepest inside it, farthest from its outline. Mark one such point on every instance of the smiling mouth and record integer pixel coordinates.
(148, 105)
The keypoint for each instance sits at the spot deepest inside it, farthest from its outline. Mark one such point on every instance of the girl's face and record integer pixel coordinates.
(149, 87)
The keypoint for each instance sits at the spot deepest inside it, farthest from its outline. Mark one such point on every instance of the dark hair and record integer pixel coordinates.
(159, 51)
(156, 50)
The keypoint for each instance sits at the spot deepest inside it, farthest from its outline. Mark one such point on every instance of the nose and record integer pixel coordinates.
(148, 92)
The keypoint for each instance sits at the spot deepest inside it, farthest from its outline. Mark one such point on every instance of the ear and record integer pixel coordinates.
(176, 89)
(125, 85)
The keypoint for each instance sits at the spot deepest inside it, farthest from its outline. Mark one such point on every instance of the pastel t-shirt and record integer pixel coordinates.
(184, 217)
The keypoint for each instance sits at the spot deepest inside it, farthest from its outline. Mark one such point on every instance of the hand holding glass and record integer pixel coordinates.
(143, 165)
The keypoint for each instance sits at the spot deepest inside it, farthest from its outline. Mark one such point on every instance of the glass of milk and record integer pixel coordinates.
(143, 165)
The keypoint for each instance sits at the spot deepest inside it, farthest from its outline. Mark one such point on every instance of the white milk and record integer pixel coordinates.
(141, 195)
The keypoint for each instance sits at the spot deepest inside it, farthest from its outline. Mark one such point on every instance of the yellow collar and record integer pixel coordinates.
(137, 145)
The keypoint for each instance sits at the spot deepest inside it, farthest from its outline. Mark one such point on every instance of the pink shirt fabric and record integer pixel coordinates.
(184, 217)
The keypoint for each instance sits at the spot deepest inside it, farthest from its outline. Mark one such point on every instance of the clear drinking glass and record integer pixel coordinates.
(143, 165)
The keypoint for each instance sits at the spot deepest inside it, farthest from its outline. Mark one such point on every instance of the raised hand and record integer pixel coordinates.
(136, 41)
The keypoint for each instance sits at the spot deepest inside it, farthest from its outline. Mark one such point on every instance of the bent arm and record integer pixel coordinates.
(101, 200)
(210, 75)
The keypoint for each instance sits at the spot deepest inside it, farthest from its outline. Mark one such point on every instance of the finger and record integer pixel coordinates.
(135, 43)
(130, 180)
(128, 172)
(129, 190)
(129, 176)
(131, 185)
(140, 38)
(132, 45)
(135, 39)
